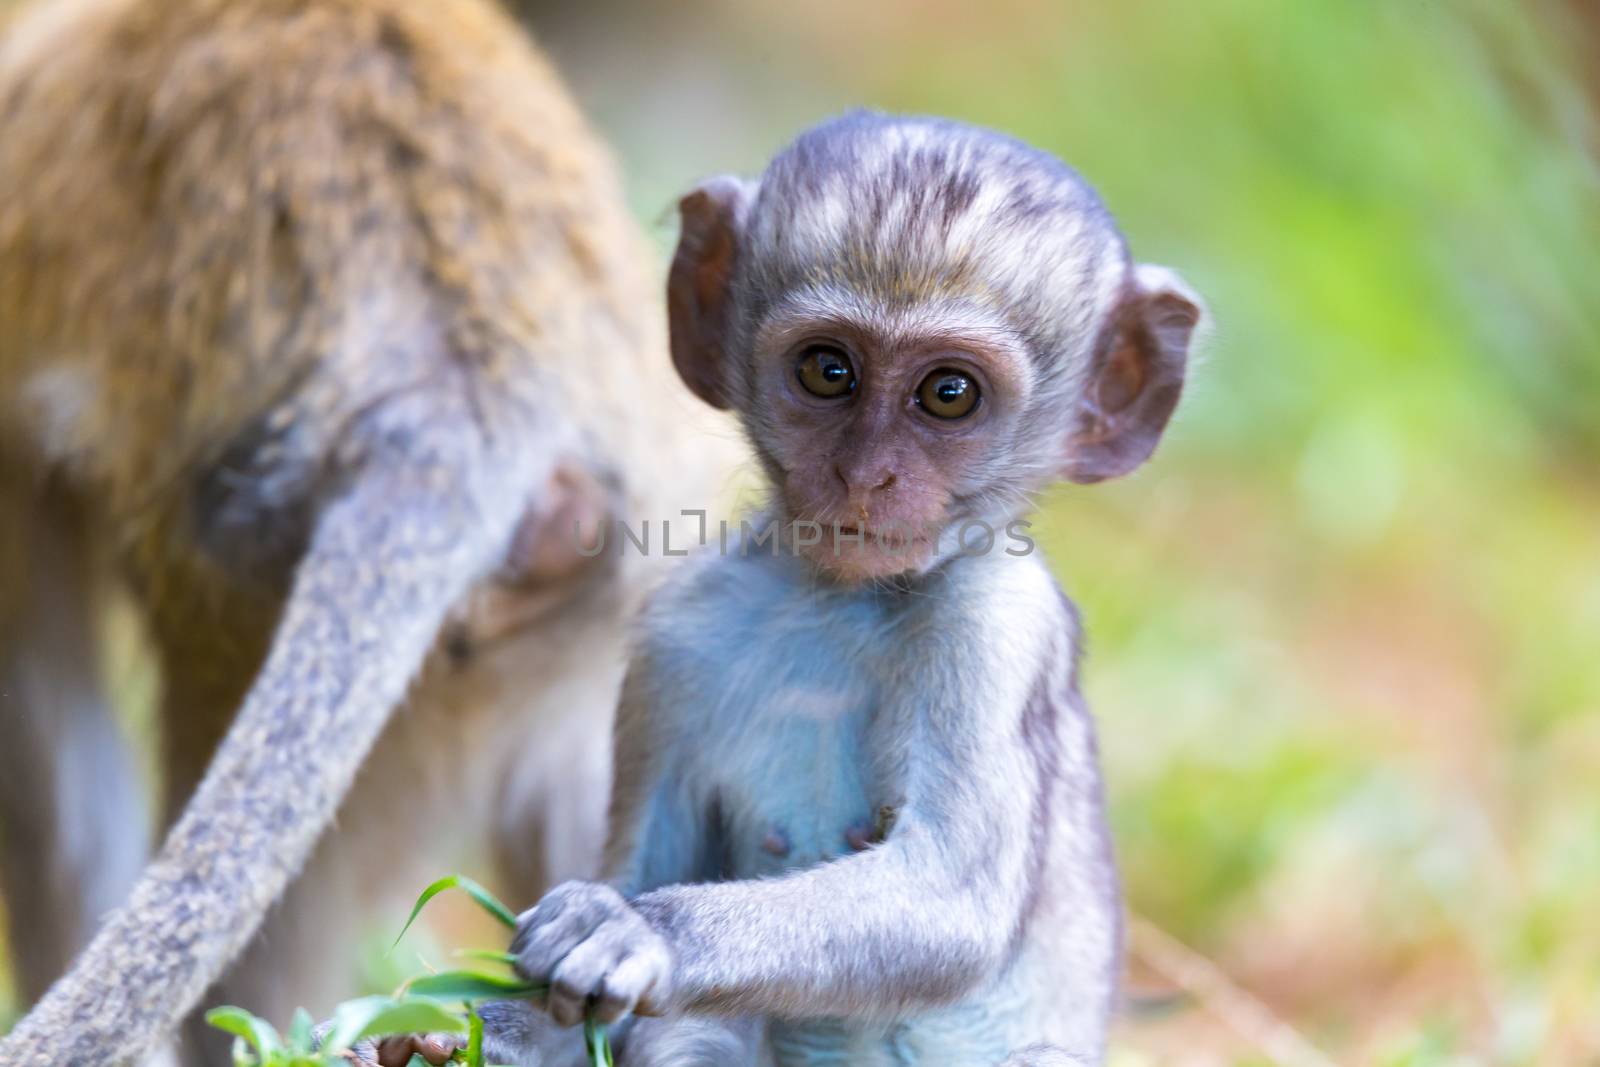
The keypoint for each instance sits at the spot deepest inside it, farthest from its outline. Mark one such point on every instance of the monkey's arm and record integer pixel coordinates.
(916, 921)
(400, 544)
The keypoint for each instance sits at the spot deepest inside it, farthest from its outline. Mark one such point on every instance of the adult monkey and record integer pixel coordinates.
(320, 324)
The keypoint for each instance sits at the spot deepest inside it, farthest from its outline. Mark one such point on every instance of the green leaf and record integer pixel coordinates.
(488, 955)
(381, 1016)
(470, 986)
(300, 1033)
(485, 899)
(417, 1060)
(260, 1033)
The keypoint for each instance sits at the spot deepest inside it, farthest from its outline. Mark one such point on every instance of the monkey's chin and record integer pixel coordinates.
(847, 563)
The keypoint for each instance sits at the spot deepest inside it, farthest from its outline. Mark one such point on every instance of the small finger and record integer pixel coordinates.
(578, 977)
(623, 989)
(565, 1007)
(640, 983)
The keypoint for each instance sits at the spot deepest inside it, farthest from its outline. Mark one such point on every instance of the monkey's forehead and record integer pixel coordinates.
(986, 263)
(920, 209)
(1049, 292)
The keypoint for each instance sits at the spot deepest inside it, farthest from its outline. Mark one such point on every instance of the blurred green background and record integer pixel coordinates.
(1345, 630)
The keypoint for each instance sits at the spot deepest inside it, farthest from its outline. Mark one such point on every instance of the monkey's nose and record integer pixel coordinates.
(884, 480)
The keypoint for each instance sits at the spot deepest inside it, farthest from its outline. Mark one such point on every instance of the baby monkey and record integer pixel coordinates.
(857, 815)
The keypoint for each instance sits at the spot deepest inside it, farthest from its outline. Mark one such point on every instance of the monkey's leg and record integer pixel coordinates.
(519, 1034)
(695, 1042)
(71, 806)
(1044, 1056)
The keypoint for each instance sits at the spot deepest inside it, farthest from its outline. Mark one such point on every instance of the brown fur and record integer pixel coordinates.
(318, 314)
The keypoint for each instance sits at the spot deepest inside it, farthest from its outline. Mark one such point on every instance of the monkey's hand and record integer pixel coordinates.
(595, 951)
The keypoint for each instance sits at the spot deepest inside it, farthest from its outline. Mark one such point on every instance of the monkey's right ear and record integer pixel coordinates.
(699, 286)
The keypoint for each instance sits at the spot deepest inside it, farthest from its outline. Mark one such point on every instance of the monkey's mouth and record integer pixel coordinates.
(890, 536)
(854, 551)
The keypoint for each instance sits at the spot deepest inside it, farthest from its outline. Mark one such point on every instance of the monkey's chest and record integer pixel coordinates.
(796, 790)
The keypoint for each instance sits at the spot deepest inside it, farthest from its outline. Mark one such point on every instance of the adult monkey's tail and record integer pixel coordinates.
(388, 557)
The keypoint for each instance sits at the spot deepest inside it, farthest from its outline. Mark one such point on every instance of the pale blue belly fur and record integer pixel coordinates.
(814, 784)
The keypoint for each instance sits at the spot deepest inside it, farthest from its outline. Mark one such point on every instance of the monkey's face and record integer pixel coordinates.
(878, 441)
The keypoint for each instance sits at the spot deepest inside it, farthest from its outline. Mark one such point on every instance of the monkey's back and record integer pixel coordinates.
(229, 227)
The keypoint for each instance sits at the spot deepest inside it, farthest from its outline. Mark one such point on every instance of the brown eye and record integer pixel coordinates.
(826, 372)
(948, 394)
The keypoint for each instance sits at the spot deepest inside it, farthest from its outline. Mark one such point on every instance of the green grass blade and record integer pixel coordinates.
(381, 1016)
(485, 899)
(598, 1044)
(257, 1031)
(470, 986)
(474, 1039)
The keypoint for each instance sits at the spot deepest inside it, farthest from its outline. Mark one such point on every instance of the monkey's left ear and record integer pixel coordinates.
(699, 285)
(1136, 379)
